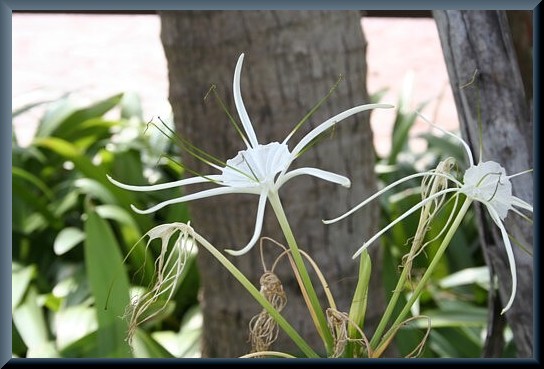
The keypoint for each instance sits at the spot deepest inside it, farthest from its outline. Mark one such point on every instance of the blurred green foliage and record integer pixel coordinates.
(76, 256)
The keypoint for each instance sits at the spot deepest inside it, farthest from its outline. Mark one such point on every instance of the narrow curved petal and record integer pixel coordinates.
(162, 186)
(516, 201)
(509, 253)
(465, 145)
(520, 173)
(258, 228)
(196, 196)
(323, 174)
(406, 213)
(387, 188)
(240, 107)
(331, 122)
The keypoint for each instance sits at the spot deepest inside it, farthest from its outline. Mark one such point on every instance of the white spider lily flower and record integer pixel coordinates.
(485, 182)
(260, 169)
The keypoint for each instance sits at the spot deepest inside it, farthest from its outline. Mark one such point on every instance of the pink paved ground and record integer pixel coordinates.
(100, 55)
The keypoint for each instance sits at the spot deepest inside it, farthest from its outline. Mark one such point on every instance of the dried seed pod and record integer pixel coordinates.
(263, 329)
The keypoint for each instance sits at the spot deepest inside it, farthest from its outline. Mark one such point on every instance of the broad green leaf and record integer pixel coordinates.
(66, 125)
(472, 316)
(134, 248)
(85, 347)
(74, 323)
(30, 322)
(359, 301)
(91, 133)
(95, 189)
(145, 346)
(190, 333)
(109, 285)
(18, 347)
(47, 350)
(67, 239)
(33, 203)
(455, 342)
(83, 164)
(131, 106)
(477, 275)
(32, 179)
(56, 113)
(117, 213)
(20, 280)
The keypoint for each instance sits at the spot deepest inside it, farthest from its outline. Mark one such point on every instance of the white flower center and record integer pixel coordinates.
(487, 182)
(257, 165)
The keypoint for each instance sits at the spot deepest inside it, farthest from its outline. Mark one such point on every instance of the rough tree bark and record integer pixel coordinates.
(292, 60)
(481, 41)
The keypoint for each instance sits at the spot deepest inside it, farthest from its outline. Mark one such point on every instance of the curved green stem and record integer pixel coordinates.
(307, 288)
(291, 332)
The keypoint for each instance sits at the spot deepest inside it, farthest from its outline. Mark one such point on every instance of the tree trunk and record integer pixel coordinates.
(481, 41)
(292, 60)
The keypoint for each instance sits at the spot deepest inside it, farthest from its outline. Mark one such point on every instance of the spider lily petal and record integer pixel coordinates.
(246, 122)
(387, 188)
(516, 201)
(329, 123)
(404, 215)
(162, 186)
(508, 247)
(258, 227)
(196, 196)
(323, 174)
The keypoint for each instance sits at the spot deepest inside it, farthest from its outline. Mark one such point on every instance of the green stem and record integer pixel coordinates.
(314, 305)
(291, 332)
(430, 269)
(389, 309)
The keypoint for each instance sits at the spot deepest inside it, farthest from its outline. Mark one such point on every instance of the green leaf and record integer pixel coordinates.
(67, 239)
(116, 213)
(95, 189)
(134, 248)
(146, 347)
(30, 322)
(83, 164)
(357, 310)
(190, 333)
(74, 323)
(455, 342)
(84, 347)
(469, 316)
(32, 179)
(109, 285)
(32, 201)
(64, 126)
(477, 275)
(20, 280)
(131, 106)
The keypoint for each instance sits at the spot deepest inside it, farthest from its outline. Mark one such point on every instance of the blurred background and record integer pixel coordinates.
(99, 55)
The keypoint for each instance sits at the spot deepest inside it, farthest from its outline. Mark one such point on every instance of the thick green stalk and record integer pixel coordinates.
(291, 332)
(430, 269)
(358, 306)
(389, 309)
(314, 305)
